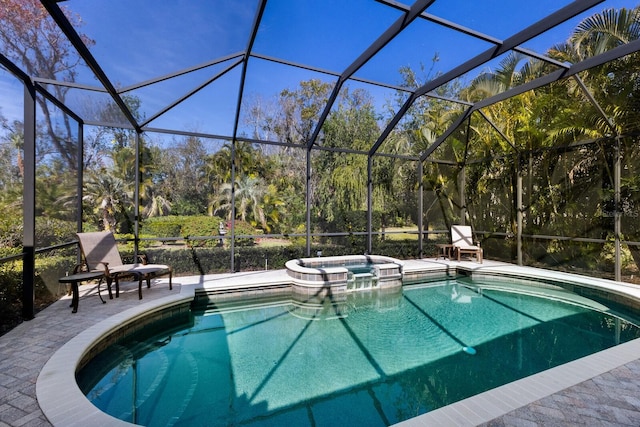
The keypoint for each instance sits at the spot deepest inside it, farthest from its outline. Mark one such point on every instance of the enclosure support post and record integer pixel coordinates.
(420, 210)
(519, 208)
(617, 210)
(232, 239)
(462, 182)
(308, 201)
(80, 177)
(369, 205)
(29, 204)
(79, 182)
(136, 196)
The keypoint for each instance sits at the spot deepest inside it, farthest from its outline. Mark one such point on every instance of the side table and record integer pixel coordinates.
(75, 279)
(445, 250)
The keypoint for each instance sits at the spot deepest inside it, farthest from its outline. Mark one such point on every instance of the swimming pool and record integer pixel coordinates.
(370, 359)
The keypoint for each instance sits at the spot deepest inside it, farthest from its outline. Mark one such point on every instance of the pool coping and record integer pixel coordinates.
(58, 393)
(499, 401)
(63, 403)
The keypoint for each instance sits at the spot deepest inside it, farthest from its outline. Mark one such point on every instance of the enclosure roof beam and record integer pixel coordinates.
(550, 21)
(472, 33)
(443, 22)
(493, 125)
(245, 63)
(356, 79)
(181, 72)
(190, 93)
(73, 85)
(327, 72)
(58, 16)
(594, 61)
(18, 73)
(544, 58)
(99, 123)
(595, 103)
(14, 69)
(54, 100)
(400, 24)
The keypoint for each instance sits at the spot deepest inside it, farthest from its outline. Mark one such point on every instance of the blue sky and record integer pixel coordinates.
(327, 34)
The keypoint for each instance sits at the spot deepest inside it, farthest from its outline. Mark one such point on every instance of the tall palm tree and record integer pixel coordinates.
(616, 86)
(611, 84)
(604, 31)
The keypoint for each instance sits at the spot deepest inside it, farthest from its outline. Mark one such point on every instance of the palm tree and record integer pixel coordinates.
(250, 192)
(108, 196)
(616, 86)
(156, 206)
(611, 84)
(604, 31)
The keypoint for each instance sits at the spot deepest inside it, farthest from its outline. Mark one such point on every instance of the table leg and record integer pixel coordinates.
(75, 297)
(99, 294)
(109, 282)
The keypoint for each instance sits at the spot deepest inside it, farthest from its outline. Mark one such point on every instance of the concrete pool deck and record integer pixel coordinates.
(601, 389)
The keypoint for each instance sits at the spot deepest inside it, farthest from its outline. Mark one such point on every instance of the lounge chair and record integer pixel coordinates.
(462, 241)
(100, 252)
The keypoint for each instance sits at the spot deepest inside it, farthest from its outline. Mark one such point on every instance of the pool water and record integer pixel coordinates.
(373, 359)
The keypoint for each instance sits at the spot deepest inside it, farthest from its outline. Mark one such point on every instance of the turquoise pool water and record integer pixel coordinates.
(366, 359)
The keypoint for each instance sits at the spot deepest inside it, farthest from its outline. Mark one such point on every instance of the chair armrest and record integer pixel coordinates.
(106, 268)
(79, 267)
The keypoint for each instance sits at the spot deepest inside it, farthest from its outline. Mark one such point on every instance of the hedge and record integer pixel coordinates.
(210, 260)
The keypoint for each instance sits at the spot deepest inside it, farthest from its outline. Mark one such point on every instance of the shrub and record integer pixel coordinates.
(202, 226)
(198, 226)
(244, 229)
(11, 228)
(163, 226)
(49, 231)
(11, 296)
(352, 222)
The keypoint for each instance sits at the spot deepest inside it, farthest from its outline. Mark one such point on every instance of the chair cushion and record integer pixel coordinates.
(461, 236)
(139, 268)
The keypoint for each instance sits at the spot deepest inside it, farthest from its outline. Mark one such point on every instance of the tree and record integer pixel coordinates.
(109, 198)
(425, 121)
(12, 169)
(299, 111)
(255, 202)
(616, 87)
(32, 40)
(341, 181)
(182, 178)
(157, 206)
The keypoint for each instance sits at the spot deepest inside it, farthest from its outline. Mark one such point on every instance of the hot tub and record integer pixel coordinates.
(348, 273)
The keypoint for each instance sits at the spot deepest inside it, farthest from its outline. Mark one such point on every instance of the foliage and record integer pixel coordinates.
(199, 226)
(553, 140)
(164, 226)
(183, 178)
(30, 38)
(49, 232)
(244, 229)
(202, 226)
(210, 260)
(52, 231)
(11, 296)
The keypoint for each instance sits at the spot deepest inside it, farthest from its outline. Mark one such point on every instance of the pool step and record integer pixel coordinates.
(357, 281)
